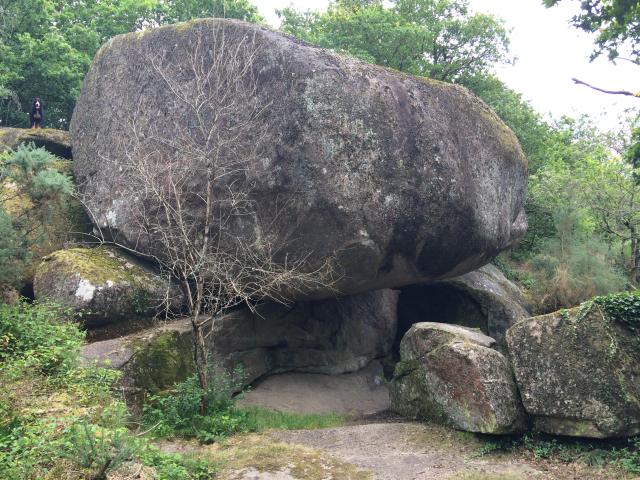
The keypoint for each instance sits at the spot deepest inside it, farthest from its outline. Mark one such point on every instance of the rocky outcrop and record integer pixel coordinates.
(103, 283)
(382, 171)
(451, 375)
(324, 336)
(54, 141)
(66, 222)
(483, 299)
(578, 371)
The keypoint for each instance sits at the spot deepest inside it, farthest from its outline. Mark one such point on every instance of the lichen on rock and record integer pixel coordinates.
(450, 375)
(381, 170)
(578, 370)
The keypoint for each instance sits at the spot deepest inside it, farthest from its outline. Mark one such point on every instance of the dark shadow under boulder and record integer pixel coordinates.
(326, 336)
(483, 299)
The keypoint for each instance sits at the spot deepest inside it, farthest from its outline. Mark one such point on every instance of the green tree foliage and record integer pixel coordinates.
(617, 23)
(440, 39)
(46, 46)
(31, 192)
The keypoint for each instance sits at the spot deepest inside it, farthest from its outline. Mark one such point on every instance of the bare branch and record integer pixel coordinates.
(610, 92)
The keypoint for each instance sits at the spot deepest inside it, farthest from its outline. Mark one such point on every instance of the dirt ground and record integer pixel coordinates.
(385, 450)
(354, 394)
(374, 445)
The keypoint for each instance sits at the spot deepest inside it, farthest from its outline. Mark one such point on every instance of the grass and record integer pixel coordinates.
(621, 454)
(260, 419)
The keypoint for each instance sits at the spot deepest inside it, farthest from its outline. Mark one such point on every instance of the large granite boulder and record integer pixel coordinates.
(379, 170)
(323, 336)
(483, 299)
(54, 141)
(450, 374)
(103, 283)
(578, 370)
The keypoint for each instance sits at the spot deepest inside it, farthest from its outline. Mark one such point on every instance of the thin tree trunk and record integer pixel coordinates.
(201, 363)
(635, 261)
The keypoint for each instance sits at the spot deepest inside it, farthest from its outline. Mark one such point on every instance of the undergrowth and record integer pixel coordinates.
(177, 413)
(623, 453)
(60, 420)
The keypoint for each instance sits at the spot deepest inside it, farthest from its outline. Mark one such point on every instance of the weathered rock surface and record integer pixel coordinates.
(323, 336)
(578, 372)
(385, 170)
(483, 299)
(104, 283)
(450, 375)
(54, 141)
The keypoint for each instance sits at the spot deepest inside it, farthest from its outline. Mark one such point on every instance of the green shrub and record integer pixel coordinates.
(623, 308)
(178, 412)
(33, 194)
(100, 450)
(42, 336)
(623, 453)
(572, 270)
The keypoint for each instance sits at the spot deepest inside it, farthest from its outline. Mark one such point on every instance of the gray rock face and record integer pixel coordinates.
(483, 299)
(450, 375)
(103, 283)
(323, 336)
(385, 171)
(578, 372)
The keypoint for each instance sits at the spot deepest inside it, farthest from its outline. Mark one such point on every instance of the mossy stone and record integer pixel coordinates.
(578, 372)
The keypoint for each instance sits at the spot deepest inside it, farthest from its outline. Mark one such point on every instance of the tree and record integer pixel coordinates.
(46, 46)
(193, 192)
(435, 38)
(617, 23)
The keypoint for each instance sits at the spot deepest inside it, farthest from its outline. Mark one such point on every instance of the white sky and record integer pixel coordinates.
(549, 53)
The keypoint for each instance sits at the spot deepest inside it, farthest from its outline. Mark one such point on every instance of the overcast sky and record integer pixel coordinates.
(549, 53)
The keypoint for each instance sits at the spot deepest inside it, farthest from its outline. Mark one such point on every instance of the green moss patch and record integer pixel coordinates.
(101, 264)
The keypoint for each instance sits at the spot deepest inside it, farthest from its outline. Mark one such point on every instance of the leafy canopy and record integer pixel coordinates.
(46, 46)
(617, 23)
(440, 39)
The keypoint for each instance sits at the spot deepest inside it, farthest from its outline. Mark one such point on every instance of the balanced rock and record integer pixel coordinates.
(578, 371)
(382, 172)
(332, 336)
(450, 374)
(103, 283)
(483, 299)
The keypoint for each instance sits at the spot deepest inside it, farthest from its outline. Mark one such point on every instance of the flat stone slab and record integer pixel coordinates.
(359, 393)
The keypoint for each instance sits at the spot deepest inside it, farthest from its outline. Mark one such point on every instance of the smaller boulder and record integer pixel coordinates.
(53, 141)
(451, 375)
(103, 283)
(578, 370)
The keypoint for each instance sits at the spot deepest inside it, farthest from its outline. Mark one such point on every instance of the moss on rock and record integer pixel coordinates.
(449, 375)
(103, 283)
(578, 371)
